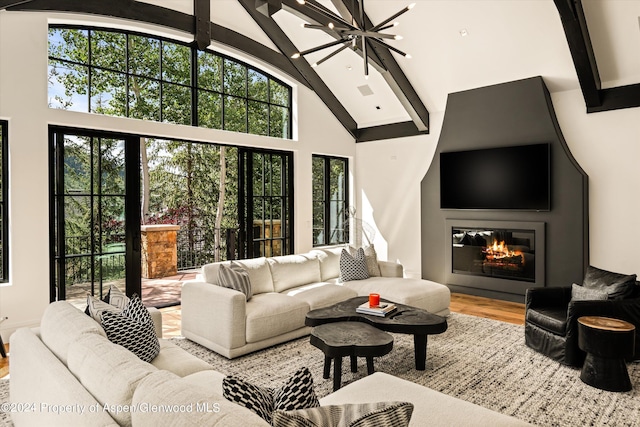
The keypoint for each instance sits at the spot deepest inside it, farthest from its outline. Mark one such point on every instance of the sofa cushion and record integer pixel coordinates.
(550, 319)
(235, 277)
(353, 267)
(62, 324)
(289, 271)
(296, 393)
(173, 358)
(431, 296)
(258, 269)
(375, 414)
(322, 294)
(431, 407)
(329, 259)
(273, 314)
(616, 285)
(109, 372)
(197, 403)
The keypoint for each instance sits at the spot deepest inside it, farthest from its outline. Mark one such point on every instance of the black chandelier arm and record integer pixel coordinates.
(388, 46)
(332, 54)
(317, 48)
(329, 15)
(374, 34)
(392, 17)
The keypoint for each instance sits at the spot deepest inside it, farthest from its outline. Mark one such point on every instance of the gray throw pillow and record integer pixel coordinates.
(580, 293)
(378, 414)
(616, 285)
(235, 277)
(353, 267)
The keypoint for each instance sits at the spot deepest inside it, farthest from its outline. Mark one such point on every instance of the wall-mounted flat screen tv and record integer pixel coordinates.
(514, 177)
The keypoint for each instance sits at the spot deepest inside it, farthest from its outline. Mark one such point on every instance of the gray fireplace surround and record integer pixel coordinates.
(508, 114)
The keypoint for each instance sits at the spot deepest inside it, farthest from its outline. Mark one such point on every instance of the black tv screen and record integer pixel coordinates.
(516, 177)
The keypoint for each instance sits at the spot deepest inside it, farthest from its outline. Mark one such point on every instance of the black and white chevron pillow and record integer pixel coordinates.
(235, 277)
(133, 329)
(296, 393)
(353, 267)
(378, 414)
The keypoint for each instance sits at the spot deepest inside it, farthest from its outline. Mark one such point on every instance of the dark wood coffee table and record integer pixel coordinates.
(405, 320)
(353, 339)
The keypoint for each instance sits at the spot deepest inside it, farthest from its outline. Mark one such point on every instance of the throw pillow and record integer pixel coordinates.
(616, 285)
(371, 259)
(392, 414)
(117, 298)
(353, 267)
(580, 293)
(95, 308)
(114, 300)
(235, 277)
(297, 393)
(133, 329)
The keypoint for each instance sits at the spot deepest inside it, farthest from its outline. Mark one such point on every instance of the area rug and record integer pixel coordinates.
(478, 360)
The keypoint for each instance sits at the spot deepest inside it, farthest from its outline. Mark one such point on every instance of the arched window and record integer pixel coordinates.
(134, 75)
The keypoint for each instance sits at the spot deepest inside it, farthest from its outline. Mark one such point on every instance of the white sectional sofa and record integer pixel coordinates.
(67, 373)
(284, 289)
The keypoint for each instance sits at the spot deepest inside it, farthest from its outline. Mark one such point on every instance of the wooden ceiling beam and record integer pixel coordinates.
(577, 33)
(202, 24)
(282, 42)
(396, 79)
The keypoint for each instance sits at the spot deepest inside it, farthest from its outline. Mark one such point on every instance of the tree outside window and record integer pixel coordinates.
(330, 200)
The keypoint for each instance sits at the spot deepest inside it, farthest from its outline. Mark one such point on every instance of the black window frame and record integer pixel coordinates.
(4, 203)
(326, 201)
(193, 85)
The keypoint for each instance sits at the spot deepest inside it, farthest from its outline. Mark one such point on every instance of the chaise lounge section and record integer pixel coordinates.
(284, 289)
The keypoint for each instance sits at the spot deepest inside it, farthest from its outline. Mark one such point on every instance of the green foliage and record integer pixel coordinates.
(127, 75)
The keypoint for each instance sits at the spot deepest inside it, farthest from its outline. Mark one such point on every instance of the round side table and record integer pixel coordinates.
(607, 342)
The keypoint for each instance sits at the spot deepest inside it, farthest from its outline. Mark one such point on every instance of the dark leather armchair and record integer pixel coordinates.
(551, 319)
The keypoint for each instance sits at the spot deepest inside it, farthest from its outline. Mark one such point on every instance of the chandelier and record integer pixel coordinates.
(356, 34)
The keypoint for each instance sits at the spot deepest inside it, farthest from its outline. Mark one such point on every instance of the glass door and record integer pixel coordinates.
(266, 203)
(95, 215)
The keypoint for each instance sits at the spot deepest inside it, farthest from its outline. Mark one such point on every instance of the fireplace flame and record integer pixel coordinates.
(500, 251)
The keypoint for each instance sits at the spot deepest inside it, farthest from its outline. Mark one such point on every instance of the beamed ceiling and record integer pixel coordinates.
(591, 45)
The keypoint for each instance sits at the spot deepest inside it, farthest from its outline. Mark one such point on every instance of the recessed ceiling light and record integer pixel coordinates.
(463, 32)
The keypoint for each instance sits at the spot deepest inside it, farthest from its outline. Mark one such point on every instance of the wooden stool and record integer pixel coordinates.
(607, 342)
(353, 339)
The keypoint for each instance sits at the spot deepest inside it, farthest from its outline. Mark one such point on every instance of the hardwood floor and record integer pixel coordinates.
(504, 311)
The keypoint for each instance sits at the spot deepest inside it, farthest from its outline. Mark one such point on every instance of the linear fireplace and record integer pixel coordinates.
(505, 256)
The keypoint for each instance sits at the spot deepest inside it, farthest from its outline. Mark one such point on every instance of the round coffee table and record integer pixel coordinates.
(354, 339)
(607, 342)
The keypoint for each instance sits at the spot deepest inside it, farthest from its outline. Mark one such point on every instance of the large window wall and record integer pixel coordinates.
(135, 75)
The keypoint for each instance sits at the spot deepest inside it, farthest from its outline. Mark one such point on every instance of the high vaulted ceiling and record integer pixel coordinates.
(591, 45)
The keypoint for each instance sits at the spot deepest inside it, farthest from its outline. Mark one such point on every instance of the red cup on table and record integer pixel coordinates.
(374, 300)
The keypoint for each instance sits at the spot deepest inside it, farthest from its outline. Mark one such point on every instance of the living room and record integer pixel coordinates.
(456, 46)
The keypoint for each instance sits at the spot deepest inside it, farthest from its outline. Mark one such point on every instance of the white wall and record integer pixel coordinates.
(606, 145)
(23, 102)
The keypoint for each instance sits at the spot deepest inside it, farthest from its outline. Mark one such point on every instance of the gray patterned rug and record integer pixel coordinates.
(479, 360)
